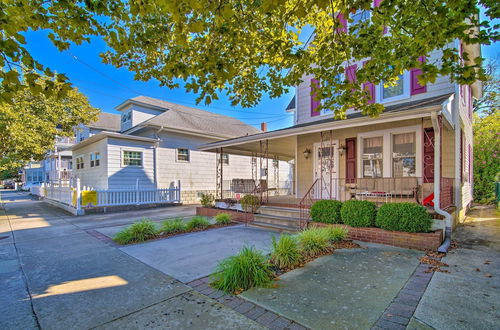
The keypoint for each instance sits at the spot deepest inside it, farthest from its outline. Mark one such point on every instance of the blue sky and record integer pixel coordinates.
(106, 86)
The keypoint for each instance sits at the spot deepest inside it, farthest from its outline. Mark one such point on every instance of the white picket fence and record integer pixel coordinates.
(74, 198)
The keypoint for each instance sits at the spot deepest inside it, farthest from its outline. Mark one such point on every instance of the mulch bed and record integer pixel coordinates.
(214, 226)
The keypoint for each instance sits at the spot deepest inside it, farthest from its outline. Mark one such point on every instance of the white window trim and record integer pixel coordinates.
(177, 155)
(387, 148)
(122, 156)
(406, 91)
(82, 162)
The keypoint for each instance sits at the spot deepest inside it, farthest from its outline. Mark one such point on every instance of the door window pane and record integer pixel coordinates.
(403, 155)
(372, 157)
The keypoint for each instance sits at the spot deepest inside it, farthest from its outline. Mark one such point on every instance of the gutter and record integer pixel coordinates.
(437, 179)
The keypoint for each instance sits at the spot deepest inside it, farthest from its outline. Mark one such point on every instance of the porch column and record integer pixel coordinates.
(219, 174)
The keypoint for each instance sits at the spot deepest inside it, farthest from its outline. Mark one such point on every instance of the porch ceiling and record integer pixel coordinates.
(283, 147)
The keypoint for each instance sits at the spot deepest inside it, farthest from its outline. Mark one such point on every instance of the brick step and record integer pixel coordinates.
(281, 211)
(274, 227)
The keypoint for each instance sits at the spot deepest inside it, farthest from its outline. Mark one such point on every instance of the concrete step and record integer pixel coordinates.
(281, 211)
(274, 227)
(278, 220)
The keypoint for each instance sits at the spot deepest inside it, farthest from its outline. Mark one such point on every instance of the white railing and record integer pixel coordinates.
(137, 197)
(71, 195)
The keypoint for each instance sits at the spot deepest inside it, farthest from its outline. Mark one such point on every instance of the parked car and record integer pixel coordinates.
(9, 185)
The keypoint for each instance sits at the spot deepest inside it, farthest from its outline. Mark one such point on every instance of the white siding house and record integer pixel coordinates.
(157, 147)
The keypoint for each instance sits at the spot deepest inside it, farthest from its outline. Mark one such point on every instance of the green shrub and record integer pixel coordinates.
(326, 211)
(408, 217)
(223, 218)
(336, 234)
(313, 241)
(197, 222)
(207, 200)
(173, 226)
(358, 213)
(138, 232)
(247, 269)
(250, 203)
(285, 252)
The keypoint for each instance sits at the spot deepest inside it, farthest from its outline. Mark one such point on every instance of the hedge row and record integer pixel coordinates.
(407, 217)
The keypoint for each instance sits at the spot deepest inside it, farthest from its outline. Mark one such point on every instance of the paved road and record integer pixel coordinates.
(55, 275)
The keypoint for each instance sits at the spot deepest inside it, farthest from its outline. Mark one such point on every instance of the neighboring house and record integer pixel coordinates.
(58, 165)
(419, 146)
(157, 148)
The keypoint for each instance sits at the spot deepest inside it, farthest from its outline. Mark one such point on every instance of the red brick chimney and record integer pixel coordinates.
(263, 127)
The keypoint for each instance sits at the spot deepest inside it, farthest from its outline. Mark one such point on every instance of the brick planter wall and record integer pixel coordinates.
(418, 241)
(211, 212)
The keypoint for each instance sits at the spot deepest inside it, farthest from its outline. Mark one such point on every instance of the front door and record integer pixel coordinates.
(326, 170)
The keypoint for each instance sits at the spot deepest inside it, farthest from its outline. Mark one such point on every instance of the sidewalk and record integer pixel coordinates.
(468, 297)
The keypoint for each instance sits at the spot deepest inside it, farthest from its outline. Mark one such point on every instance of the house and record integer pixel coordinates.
(157, 147)
(418, 150)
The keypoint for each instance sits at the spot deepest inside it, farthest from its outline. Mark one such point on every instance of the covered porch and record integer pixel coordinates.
(386, 159)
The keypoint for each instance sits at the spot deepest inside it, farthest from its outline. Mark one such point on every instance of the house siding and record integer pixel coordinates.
(126, 177)
(92, 177)
(441, 86)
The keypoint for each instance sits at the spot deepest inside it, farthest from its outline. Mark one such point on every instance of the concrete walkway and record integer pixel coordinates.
(54, 275)
(469, 296)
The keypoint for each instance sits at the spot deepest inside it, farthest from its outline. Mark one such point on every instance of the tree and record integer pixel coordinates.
(486, 156)
(490, 101)
(248, 48)
(30, 124)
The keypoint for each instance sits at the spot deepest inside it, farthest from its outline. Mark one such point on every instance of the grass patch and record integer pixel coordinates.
(223, 218)
(285, 253)
(138, 232)
(313, 242)
(197, 222)
(247, 269)
(173, 226)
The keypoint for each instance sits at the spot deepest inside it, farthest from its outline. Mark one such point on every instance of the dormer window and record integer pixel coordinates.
(126, 116)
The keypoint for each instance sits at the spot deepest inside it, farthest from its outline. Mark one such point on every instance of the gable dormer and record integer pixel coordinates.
(134, 111)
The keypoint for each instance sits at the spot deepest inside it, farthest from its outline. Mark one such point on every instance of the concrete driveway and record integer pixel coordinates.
(54, 274)
(192, 256)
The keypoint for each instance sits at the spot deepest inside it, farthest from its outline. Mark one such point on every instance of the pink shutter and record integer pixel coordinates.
(416, 88)
(370, 87)
(376, 3)
(314, 102)
(343, 22)
(350, 73)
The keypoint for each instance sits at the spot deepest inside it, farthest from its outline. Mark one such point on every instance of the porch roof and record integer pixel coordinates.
(282, 142)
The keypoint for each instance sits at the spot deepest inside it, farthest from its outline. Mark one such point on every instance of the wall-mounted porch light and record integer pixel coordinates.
(307, 153)
(341, 150)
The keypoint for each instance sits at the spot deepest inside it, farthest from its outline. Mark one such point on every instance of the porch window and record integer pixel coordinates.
(373, 157)
(183, 155)
(404, 155)
(132, 158)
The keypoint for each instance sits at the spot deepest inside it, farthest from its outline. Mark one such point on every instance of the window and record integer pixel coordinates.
(183, 155)
(403, 155)
(339, 79)
(126, 116)
(400, 90)
(372, 158)
(79, 162)
(225, 159)
(132, 158)
(95, 158)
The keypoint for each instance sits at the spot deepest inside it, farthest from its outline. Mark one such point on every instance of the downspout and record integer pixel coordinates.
(437, 183)
(155, 154)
